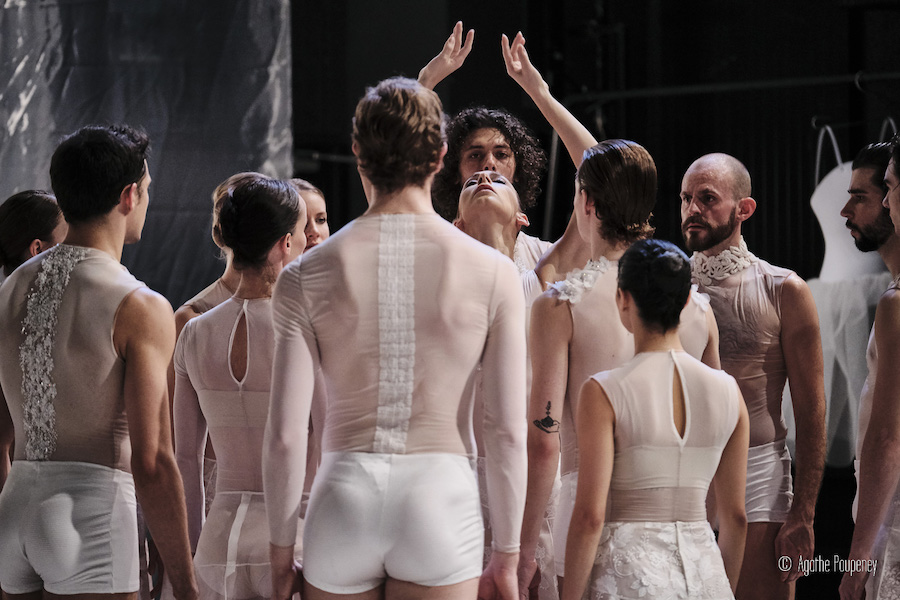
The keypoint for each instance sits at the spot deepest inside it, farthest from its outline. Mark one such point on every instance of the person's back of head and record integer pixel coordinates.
(874, 156)
(619, 176)
(657, 274)
(219, 194)
(91, 167)
(254, 214)
(530, 158)
(25, 217)
(398, 134)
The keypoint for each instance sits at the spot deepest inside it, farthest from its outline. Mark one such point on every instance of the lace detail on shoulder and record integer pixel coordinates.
(36, 352)
(579, 281)
(397, 334)
(726, 263)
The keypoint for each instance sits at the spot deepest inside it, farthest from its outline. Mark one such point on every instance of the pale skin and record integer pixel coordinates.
(316, 230)
(879, 462)
(498, 579)
(710, 194)
(144, 337)
(596, 423)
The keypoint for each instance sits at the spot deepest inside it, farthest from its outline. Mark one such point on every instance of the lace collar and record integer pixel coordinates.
(579, 281)
(726, 263)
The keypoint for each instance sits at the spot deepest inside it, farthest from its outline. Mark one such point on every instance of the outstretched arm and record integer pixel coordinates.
(879, 463)
(573, 134)
(802, 347)
(144, 336)
(451, 57)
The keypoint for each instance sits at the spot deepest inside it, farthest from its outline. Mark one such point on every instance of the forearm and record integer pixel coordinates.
(575, 136)
(810, 460)
(161, 495)
(581, 549)
(732, 538)
(191, 469)
(543, 462)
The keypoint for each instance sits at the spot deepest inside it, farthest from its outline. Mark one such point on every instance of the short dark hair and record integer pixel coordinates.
(92, 166)
(254, 214)
(398, 131)
(658, 276)
(25, 217)
(531, 160)
(874, 156)
(619, 176)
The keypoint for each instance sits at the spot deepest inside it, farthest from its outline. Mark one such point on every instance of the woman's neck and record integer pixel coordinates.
(257, 282)
(652, 340)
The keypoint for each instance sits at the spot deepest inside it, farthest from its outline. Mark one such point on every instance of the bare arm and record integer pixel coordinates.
(802, 347)
(596, 449)
(451, 57)
(573, 134)
(729, 484)
(144, 337)
(190, 442)
(286, 437)
(711, 353)
(879, 463)
(551, 331)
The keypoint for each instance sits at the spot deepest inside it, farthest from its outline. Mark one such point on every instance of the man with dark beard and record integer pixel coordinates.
(877, 533)
(769, 334)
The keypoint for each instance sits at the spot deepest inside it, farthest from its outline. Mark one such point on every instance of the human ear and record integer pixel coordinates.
(746, 208)
(522, 219)
(34, 248)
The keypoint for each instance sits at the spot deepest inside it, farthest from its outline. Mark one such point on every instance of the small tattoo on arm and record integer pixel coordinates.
(548, 424)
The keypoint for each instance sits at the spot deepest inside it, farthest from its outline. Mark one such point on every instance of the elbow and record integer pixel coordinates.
(589, 519)
(543, 449)
(733, 520)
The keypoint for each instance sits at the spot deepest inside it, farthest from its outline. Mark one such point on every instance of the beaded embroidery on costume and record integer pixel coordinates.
(396, 330)
(577, 282)
(726, 263)
(36, 352)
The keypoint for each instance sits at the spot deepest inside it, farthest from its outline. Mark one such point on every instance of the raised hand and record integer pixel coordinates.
(518, 65)
(451, 57)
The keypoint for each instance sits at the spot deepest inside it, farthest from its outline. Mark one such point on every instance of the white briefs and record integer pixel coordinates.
(769, 492)
(410, 517)
(68, 528)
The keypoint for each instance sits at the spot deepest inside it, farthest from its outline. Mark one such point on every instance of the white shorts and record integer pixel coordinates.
(769, 496)
(410, 517)
(68, 528)
(568, 487)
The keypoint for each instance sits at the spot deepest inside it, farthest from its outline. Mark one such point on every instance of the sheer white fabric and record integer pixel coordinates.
(232, 548)
(657, 543)
(346, 306)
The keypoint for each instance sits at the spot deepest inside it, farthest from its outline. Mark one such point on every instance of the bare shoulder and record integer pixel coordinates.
(547, 267)
(887, 315)
(144, 315)
(184, 314)
(796, 297)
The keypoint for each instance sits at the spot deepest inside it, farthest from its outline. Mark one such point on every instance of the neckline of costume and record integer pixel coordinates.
(723, 265)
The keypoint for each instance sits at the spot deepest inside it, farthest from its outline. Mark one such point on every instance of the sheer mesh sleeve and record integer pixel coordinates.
(190, 437)
(285, 445)
(504, 410)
